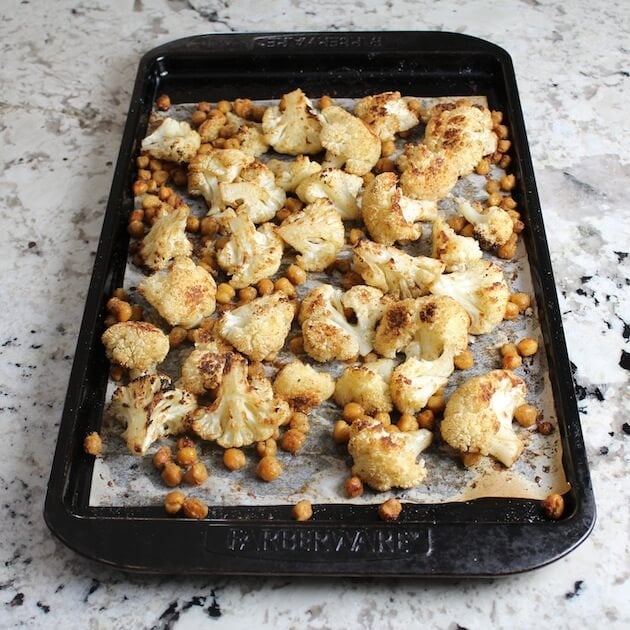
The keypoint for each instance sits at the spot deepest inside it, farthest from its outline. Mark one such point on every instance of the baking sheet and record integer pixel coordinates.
(318, 471)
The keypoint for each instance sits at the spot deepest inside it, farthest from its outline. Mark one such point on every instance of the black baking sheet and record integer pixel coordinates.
(502, 535)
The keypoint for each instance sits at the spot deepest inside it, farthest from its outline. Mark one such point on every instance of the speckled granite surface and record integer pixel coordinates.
(67, 71)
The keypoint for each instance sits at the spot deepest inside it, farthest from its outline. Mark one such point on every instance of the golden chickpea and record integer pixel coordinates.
(161, 177)
(526, 415)
(505, 161)
(471, 459)
(325, 101)
(492, 186)
(139, 187)
(508, 203)
(483, 167)
(341, 432)
(120, 309)
(392, 428)
(426, 420)
(225, 293)
(352, 411)
(163, 102)
(293, 204)
(184, 442)
(504, 146)
(436, 403)
(511, 361)
(407, 422)
(300, 422)
(204, 106)
(457, 223)
(383, 417)
(351, 279)
(507, 182)
(173, 502)
(390, 510)
(355, 235)
(292, 441)
(527, 347)
(494, 199)
(497, 117)
(162, 457)
(224, 106)
(468, 230)
(282, 214)
(544, 427)
(242, 107)
(151, 201)
(388, 147)
(283, 285)
(268, 447)
(265, 286)
(502, 131)
(177, 336)
(117, 372)
(247, 294)
(296, 345)
(142, 161)
(368, 178)
(234, 459)
(511, 311)
(135, 229)
(172, 474)
(179, 177)
(198, 117)
(136, 215)
(196, 474)
(522, 300)
(302, 510)
(508, 348)
(193, 224)
(92, 444)
(186, 456)
(385, 165)
(353, 487)
(464, 360)
(209, 226)
(269, 468)
(553, 506)
(296, 275)
(194, 508)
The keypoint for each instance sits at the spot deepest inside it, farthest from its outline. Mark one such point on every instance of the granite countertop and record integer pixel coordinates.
(67, 71)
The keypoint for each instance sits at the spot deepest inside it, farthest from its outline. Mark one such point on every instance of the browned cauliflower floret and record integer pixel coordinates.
(454, 250)
(386, 460)
(492, 226)
(259, 328)
(251, 140)
(328, 335)
(289, 175)
(293, 126)
(137, 346)
(422, 328)
(250, 254)
(348, 141)
(463, 131)
(342, 189)
(478, 416)
(166, 239)
(481, 289)
(183, 293)
(244, 412)
(202, 370)
(316, 232)
(151, 408)
(172, 140)
(366, 384)
(425, 174)
(386, 114)
(393, 271)
(211, 126)
(390, 216)
(255, 190)
(302, 386)
(207, 170)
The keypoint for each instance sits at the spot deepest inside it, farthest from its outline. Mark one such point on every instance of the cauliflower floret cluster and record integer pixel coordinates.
(368, 385)
(183, 293)
(454, 250)
(386, 114)
(202, 370)
(166, 239)
(302, 386)
(339, 187)
(492, 226)
(173, 140)
(289, 175)
(151, 408)
(386, 460)
(478, 416)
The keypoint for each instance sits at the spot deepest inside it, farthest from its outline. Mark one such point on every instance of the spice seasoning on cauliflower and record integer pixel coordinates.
(244, 412)
(386, 114)
(367, 385)
(202, 370)
(167, 238)
(478, 416)
(289, 175)
(302, 386)
(386, 460)
(259, 328)
(454, 250)
(183, 293)
(172, 140)
(151, 408)
(137, 346)
(390, 216)
(316, 232)
(340, 188)
(493, 226)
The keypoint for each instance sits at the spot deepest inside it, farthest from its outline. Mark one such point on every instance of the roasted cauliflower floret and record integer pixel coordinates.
(166, 239)
(251, 140)
(183, 293)
(250, 254)
(207, 170)
(293, 126)
(393, 271)
(289, 175)
(478, 416)
(255, 190)
(493, 226)
(172, 140)
(302, 386)
(481, 289)
(390, 216)
(425, 174)
(348, 141)
(244, 412)
(454, 250)
(387, 460)
(386, 114)
(463, 131)
(366, 384)
(422, 328)
(259, 328)
(416, 380)
(137, 346)
(151, 408)
(209, 129)
(202, 370)
(340, 188)
(328, 335)
(316, 232)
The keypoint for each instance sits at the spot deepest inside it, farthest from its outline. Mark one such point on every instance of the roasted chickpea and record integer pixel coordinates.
(265, 286)
(163, 102)
(172, 474)
(325, 101)
(341, 432)
(390, 510)
(117, 372)
(92, 444)
(177, 336)
(457, 223)
(173, 502)
(355, 235)
(464, 360)
(383, 417)
(121, 310)
(522, 300)
(162, 456)
(388, 147)
(511, 311)
(511, 361)
(352, 411)
(468, 230)
(198, 117)
(553, 506)
(186, 456)
(296, 275)
(436, 403)
(293, 204)
(196, 474)
(508, 348)
(527, 347)
(193, 225)
(247, 294)
(225, 293)
(269, 468)
(492, 186)
(234, 459)
(300, 422)
(426, 420)
(292, 441)
(302, 510)
(353, 487)
(526, 415)
(471, 459)
(135, 229)
(284, 285)
(296, 345)
(268, 447)
(194, 508)
(483, 167)
(407, 422)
